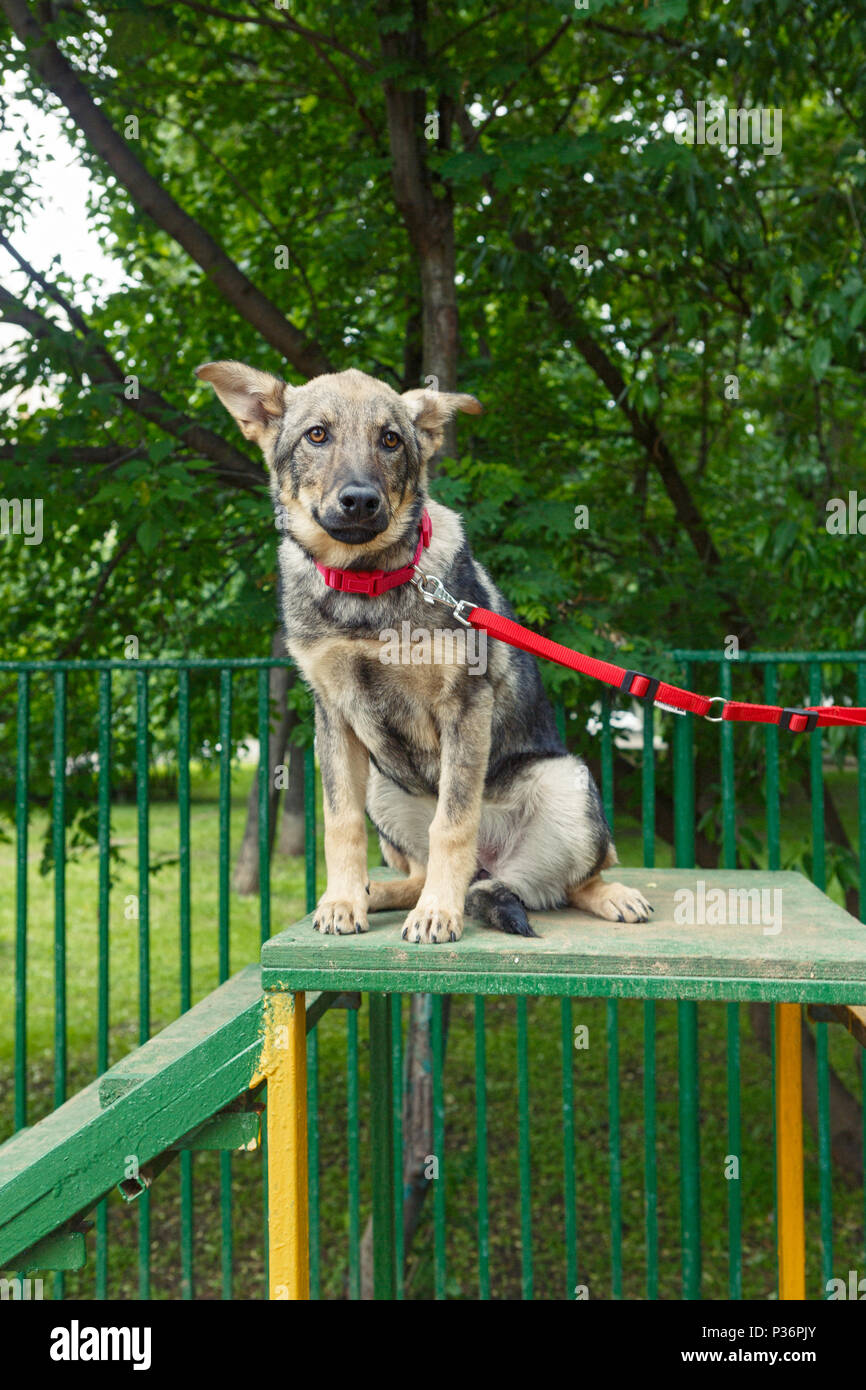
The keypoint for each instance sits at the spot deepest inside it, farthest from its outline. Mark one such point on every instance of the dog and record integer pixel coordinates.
(474, 796)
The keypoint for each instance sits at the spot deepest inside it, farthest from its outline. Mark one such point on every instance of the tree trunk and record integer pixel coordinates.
(417, 1125)
(292, 815)
(246, 876)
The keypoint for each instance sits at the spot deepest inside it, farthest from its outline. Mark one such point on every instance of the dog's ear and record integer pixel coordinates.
(431, 410)
(255, 399)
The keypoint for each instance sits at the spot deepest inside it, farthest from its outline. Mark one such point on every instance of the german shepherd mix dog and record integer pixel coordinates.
(462, 772)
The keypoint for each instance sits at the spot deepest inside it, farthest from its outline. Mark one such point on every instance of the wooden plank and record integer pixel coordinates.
(196, 1066)
(851, 1016)
(786, 941)
(789, 1153)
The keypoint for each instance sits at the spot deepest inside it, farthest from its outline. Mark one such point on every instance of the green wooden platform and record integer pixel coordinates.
(818, 956)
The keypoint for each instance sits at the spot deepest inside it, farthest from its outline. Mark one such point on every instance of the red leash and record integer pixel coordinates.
(799, 719)
(647, 688)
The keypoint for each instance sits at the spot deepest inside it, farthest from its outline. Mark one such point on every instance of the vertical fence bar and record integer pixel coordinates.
(524, 1155)
(22, 812)
(310, 825)
(771, 743)
(690, 1192)
(726, 739)
(735, 1199)
(142, 755)
(59, 849)
(650, 1163)
(774, 861)
(481, 1150)
(607, 756)
(648, 787)
(437, 1037)
(264, 712)
(822, 1060)
(397, 1137)
(687, 1019)
(58, 828)
(225, 810)
(615, 1147)
(183, 813)
(729, 861)
(861, 851)
(354, 1154)
(684, 785)
(612, 1020)
(648, 790)
(103, 840)
(861, 793)
(568, 1157)
(381, 1147)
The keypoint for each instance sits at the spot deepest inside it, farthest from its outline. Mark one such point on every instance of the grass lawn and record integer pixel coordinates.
(589, 1066)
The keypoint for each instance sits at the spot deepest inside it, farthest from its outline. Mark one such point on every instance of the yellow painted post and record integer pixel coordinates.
(789, 1152)
(284, 1066)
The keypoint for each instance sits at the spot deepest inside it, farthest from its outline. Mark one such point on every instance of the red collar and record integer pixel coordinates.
(375, 582)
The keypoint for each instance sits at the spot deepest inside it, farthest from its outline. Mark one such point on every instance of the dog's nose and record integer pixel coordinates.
(359, 502)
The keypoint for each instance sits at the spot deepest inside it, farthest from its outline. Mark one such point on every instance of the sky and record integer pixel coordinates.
(60, 228)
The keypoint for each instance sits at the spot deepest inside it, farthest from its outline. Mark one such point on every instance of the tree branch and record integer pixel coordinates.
(231, 465)
(253, 306)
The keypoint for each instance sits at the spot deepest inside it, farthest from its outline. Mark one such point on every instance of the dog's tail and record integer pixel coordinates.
(496, 905)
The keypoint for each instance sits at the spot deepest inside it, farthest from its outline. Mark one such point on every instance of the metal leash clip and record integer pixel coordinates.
(432, 590)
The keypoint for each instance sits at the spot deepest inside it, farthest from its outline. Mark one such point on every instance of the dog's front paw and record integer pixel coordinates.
(430, 923)
(619, 903)
(337, 917)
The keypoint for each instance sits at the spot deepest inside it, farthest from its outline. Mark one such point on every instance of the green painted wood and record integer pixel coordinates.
(381, 1147)
(229, 1129)
(818, 956)
(63, 1249)
(690, 1151)
(64, 1164)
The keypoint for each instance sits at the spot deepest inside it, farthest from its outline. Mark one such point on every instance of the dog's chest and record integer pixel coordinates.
(391, 705)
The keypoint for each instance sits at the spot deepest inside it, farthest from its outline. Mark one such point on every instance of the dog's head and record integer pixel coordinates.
(346, 453)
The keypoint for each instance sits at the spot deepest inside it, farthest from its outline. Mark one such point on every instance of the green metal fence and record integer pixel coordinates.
(648, 1240)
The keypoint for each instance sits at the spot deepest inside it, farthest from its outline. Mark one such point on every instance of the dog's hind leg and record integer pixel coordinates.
(385, 893)
(613, 901)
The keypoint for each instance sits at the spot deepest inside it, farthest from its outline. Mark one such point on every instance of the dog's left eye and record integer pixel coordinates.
(317, 435)
(391, 439)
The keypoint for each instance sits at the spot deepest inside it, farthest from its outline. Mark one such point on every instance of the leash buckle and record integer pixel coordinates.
(716, 718)
(649, 694)
(810, 716)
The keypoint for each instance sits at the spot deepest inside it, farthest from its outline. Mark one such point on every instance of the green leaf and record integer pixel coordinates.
(148, 534)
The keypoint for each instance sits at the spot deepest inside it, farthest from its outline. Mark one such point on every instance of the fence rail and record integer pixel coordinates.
(849, 669)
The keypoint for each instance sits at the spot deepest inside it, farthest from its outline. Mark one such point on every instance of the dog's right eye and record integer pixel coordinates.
(317, 434)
